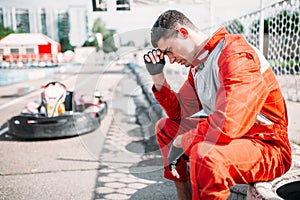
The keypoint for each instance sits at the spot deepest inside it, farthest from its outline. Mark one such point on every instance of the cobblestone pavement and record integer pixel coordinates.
(126, 170)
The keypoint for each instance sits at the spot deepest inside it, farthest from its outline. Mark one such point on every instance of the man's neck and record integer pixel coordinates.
(200, 40)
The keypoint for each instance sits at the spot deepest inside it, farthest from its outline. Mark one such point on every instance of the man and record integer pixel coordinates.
(244, 138)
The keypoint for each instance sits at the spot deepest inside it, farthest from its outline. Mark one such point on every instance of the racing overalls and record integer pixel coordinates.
(244, 138)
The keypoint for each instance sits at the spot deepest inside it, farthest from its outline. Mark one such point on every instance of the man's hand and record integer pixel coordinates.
(154, 61)
(175, 154)
(174, 157)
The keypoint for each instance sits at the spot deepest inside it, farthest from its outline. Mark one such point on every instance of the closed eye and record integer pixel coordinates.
(168, 50)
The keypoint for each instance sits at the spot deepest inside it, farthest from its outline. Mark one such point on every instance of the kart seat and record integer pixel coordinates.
(53, 98)
(69, 101)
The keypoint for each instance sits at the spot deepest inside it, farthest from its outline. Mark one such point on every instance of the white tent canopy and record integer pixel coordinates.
(26, 39)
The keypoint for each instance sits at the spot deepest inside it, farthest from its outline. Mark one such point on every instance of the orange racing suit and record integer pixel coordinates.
(244, 138)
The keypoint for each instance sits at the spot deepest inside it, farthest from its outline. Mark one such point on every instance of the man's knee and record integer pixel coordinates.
(166, 124)
(160, 124)
(205, 154)
(166, 129)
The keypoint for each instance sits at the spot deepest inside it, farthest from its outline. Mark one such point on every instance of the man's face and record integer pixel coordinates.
(178, 49)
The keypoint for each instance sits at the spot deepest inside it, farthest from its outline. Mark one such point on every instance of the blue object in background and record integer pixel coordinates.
(13, 76)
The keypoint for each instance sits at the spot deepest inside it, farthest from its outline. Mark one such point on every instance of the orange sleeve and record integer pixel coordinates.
(178, 105)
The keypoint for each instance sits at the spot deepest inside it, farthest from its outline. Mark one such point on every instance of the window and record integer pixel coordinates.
(1, 16)
(123, 5)
(63, 25)
(43, 21)
(1, 51)
(29, 50)
(22, 20)
(14, 51)
(99, 5)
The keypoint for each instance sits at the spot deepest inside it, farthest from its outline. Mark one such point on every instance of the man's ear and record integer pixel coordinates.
(184, 32)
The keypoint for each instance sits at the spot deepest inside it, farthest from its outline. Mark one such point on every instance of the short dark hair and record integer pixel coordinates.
(166, 25)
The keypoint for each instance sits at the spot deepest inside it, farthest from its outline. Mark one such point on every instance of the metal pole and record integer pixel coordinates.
(261, 27)
(211, 16)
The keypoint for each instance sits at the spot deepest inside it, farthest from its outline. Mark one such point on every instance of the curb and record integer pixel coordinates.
(12, 76)
(147, 107)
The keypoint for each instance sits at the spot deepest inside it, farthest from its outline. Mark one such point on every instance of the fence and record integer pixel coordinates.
(275, 30)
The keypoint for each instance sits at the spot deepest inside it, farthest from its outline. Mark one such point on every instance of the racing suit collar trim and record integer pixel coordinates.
(209, 46)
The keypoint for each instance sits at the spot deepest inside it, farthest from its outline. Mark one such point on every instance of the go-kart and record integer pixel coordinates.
(58, 114)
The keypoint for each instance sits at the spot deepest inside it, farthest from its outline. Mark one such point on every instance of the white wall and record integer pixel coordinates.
(78, 34)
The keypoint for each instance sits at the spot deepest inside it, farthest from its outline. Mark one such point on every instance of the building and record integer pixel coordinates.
(74, 18)
(56, 22)
(79, 25)
(31, 49)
